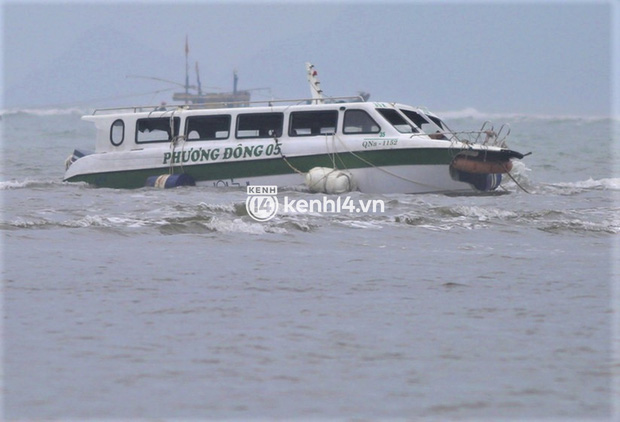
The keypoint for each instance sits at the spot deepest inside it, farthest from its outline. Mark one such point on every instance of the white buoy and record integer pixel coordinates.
(316, 177)
(329, 181)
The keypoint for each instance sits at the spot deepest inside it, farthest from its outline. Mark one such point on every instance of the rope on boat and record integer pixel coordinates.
(385, 170)
(336, 154)
(295, 169)
(333, 154)
(173, 144)
(305, 174)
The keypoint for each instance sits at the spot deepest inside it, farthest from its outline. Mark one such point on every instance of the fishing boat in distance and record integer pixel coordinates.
(193, 94)
(328, 144)
(235, 98)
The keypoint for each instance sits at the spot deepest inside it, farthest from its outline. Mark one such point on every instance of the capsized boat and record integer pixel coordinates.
(381, 147)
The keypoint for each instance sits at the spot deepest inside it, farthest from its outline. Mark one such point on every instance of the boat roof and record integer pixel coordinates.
(169, 110)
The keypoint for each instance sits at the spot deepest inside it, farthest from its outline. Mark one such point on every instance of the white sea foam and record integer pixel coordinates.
(607, 183)
(218, 208)
(103, 221)
(484, 213)
(582, 226)
(14, 184)
(21, 184)
(357, 224)
(238, 225)
(25, 223)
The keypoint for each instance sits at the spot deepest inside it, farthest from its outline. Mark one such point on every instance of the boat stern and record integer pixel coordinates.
(483, 167)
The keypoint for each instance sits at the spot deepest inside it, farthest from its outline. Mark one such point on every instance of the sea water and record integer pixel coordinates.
(176, 304)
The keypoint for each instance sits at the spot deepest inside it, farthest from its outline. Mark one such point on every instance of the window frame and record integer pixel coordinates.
(241, 116)
(344, 121)
(177, 126)
(384, 111)
(426, 119)
(207, 116)
(437, 121)
(122, 122)
(293, 115)
(416, 118)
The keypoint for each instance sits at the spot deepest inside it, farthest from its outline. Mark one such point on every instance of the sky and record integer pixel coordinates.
(529, 57)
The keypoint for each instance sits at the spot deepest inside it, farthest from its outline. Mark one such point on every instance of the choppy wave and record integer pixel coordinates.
(31, 184)
(612, 185)
(475, 217)
(590, 184)
(203, 218)
(182, 211)
(523, 176)
(472, 113)
(233, 218)
(581, 226)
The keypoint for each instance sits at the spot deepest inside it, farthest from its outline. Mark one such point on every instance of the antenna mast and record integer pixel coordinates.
(315, 85)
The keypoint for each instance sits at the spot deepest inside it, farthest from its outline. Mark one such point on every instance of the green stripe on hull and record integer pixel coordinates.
(131, 179)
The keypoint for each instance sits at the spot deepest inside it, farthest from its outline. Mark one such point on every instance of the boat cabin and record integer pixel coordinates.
(140, 128)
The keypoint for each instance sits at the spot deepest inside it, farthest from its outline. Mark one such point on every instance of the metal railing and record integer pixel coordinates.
(228, 104)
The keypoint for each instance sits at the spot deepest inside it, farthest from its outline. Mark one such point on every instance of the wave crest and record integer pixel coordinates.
(599, 184)
(31, 183)
(45, 112)
(473, 113)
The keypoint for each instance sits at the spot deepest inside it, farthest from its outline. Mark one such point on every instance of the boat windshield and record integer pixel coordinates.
(426, 123)
(396, 120)
(437, 121)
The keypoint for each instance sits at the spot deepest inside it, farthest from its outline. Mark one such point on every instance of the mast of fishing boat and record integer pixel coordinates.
(198, 80)
(315, 85)
(186, 69)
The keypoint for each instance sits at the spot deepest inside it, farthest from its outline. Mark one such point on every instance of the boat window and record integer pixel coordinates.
(427, 123)
(313, 123)
(415, 118)
(358, 121)
(156, 129)
(259, 125)
(117, 132)
(207, 128)
(437, 121)
(396, 120)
